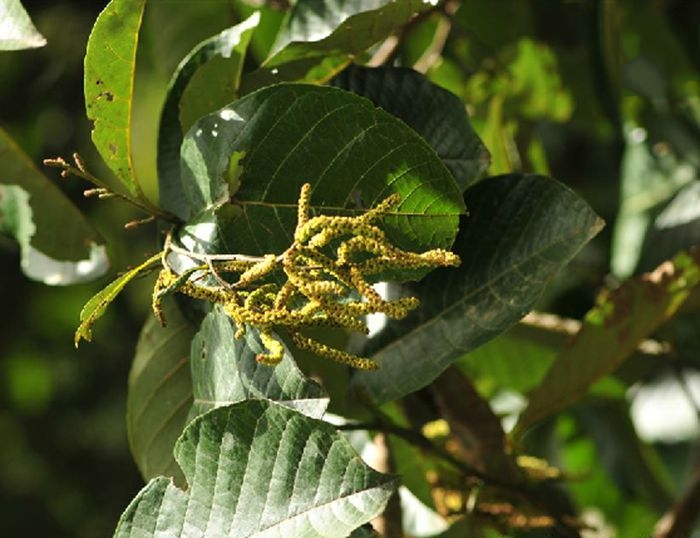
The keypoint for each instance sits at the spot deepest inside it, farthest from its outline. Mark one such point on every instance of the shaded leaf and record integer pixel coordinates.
(258, 468)
(353, 154)
(611, 332)
(439, 116)
(224, 371)
(520, 231)
(323, 37)
(184, 100)
(16, 29)
(160, 393)
(110, 67)
(59, 246)
(98, 303)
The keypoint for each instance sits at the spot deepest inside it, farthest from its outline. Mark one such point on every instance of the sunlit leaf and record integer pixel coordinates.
(258, 468)
(58, 245)
(520, 231)
(16, 29)
(206, 79)
(97, 305)
(353, 154)
(612, 330)
(322, 37)
(436, 114)
(110, 67)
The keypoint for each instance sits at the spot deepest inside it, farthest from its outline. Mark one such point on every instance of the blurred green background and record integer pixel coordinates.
(601, 94)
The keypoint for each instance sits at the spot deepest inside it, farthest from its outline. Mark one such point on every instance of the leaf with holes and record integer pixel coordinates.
(521, 230)
(258, 468)
(110, 67)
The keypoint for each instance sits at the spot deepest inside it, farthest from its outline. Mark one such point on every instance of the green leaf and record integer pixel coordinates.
(110, 67)
(353, 154)
(258, 468)
(520, 231)
(224, 371)
(611, 332)
(323, 37)
(16, 29)
(166, 391)
(160, 393)
(436, 114)
(58, 245)
(195, 90)
(98, 303)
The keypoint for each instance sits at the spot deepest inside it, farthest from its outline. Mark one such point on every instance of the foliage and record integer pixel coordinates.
(304, 153)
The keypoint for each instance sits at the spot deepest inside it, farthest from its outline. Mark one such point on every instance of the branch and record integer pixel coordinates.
(679, 519)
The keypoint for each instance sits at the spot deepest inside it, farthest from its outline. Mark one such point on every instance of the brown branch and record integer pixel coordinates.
(678, 521)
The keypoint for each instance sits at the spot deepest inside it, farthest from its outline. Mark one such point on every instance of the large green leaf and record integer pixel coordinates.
(160, 393)
(520, 231)
(165, 393)
(353, 154)
(16, 29)
(193, 93)
(59, 246)
(224, 371)
(611, 332)
(439, 116)
(110, 67)
(324, 36)
(258, 468)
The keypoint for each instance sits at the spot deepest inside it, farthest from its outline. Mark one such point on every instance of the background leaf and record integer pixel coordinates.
(59, 246)
(193, 94)
(439, 116)
(323, 37)
(258, 468)
(353, 154)
(520, 231)
(160, 393)
(16, 29)
(612, 330)
(110, 67)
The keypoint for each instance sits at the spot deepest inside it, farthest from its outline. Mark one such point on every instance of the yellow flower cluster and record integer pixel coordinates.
(325, 273)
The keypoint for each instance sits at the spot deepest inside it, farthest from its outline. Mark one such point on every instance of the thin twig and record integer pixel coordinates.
(678, 521)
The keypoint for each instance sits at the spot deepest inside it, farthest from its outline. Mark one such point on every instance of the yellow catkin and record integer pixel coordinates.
(304, 342)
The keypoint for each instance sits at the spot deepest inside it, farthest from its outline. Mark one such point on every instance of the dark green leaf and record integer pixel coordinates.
(192, 94)
(611, 332)
(520, 231)
(436, 114)
(258, 468)
(324, 36)
(110, 67)
(224, 371)
(353, 154)
(59, 246)
(98, 303)
(160, 393)
(16, 29)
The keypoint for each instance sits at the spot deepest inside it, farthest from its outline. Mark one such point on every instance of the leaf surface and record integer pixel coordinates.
(353, 154)
(520, 231)
(17, 31)
(58, 245)
(186, 100)
(160, 393)
(323, 37)
(258, 468)
(611, 332)
(439, 116)
(110, 68)
(98, 303)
